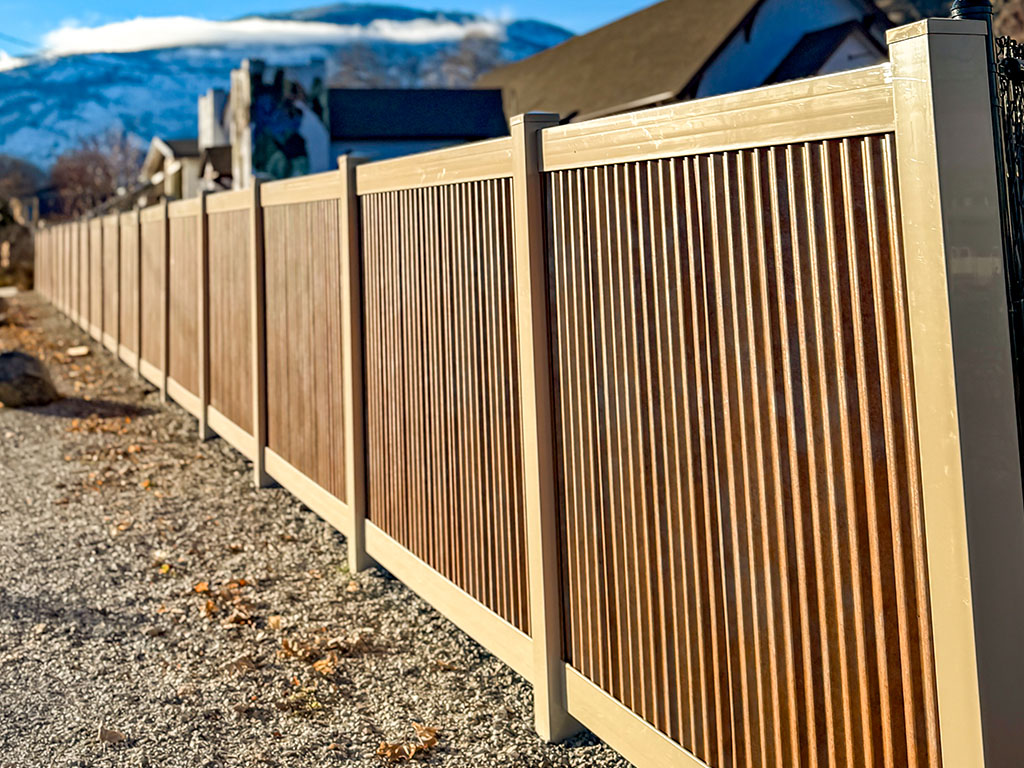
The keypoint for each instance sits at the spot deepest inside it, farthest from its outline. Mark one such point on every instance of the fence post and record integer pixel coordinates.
(352, 354)
(138, 292)
(84, 275)
(117, 287)
(101, 280)
(963, 386)
(258, 299)
(205, 433)
(552, 720)
(165, 298)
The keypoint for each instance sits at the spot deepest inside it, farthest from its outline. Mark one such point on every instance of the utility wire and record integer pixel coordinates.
(17, 41)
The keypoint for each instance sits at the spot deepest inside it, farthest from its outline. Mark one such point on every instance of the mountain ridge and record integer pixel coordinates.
(52, 102)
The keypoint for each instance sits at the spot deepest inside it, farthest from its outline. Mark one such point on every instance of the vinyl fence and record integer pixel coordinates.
(700, 417)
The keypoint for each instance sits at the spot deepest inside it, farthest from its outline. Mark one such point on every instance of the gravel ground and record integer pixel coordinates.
(147, 589)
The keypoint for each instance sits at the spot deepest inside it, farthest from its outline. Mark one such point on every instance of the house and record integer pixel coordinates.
(283, 121)
(172, 166)
(683, 49)
(377, 123)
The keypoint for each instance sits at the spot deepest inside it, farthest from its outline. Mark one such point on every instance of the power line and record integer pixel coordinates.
(18, 41)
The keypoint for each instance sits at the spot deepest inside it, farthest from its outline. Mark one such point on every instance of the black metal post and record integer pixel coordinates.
(981, 10)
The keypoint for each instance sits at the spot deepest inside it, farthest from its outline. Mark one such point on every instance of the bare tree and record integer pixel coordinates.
(460, 65)
(123, 155)
(96, 170)
(360, 66)
(84, 178)
(18, 178)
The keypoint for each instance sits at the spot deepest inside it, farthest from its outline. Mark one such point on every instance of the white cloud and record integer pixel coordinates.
(10, 62)
(145, 33)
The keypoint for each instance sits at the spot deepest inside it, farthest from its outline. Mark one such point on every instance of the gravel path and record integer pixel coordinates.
(147, 589)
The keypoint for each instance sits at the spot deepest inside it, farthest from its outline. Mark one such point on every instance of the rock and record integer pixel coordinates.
(24, 381)
(78, 351)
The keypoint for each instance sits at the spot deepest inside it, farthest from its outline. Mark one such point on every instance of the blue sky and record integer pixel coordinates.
(31, 20)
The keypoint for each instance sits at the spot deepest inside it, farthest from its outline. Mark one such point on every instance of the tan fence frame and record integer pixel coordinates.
(478, 162)
(931, 103)
(186, 278)
(327, 199)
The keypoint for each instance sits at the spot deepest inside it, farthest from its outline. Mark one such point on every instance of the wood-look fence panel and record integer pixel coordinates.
(129, 282)
(153, 236)
(700, 417)
(82, 275)
(304, 365)
(95, 286)
(230, 243)
(111, 279)
(444, 458)
(743, 539)
(183, 298)
(72, 262)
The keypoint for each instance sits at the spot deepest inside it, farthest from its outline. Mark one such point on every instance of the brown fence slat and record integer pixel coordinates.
(183, 309)
(737, 506)
(304, 366)
(231, 316)
(443, 431)
(129, 285)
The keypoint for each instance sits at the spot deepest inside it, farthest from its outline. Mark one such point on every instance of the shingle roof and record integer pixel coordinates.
(184, 147)
(814, 49)
(391, 113)
(649, 56)
(217, 157)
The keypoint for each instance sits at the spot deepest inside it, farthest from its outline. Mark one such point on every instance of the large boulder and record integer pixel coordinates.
(24, 381)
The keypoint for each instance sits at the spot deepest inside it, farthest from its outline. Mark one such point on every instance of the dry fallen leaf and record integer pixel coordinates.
(241, 664)
(426, 734)
(210, 608)
(353, 586)
(401, 751)
(202, 587)
(110, 736)
(274, 622)
(328, 665)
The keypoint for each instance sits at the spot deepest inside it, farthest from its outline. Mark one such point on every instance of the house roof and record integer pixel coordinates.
(815, 48)
(394, 113)
(184, 147)
(159, 149)
(218, 158)
(644, 58)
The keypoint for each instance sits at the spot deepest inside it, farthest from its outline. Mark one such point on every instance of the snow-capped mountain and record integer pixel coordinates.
(145, 75)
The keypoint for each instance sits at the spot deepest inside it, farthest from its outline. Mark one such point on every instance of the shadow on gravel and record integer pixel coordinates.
(77, 408)
(66, 615)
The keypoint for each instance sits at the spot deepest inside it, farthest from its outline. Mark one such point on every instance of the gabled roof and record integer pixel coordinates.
(218, 158)
(159, 149)
(644, 58)
(815, 48)
(184, 147)
(428, 113)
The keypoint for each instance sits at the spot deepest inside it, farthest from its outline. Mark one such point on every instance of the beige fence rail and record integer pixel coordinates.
(699, 417)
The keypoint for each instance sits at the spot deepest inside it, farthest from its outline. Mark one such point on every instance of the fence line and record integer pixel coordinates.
(682, 413)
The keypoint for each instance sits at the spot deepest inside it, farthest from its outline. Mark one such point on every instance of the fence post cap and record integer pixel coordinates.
(935, 27)
(534, 117)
